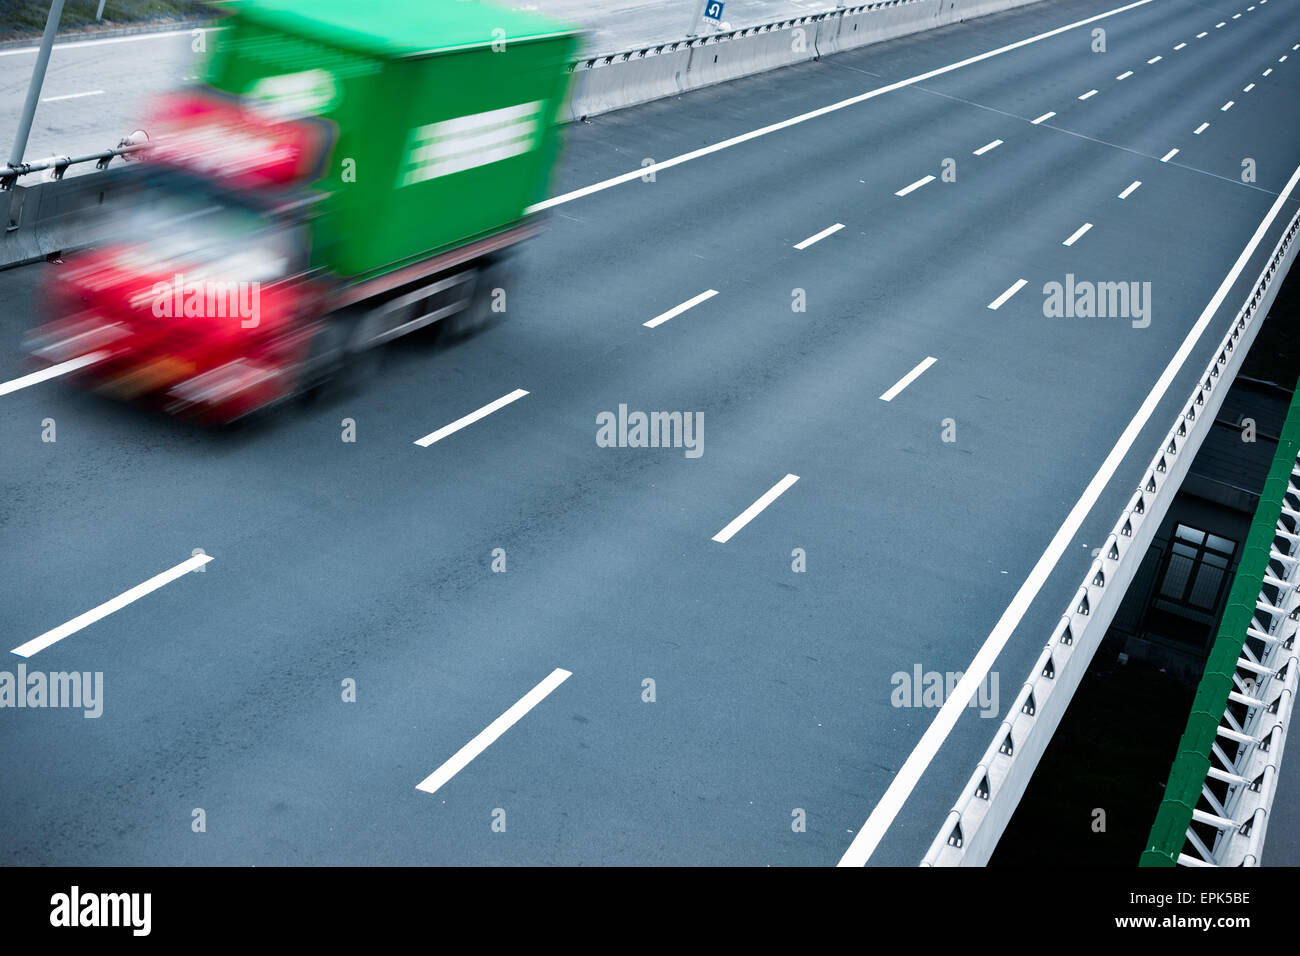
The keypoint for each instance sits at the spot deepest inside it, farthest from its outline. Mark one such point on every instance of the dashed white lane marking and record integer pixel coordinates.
(1248, 87)
(1001, 300)
(1169, 155)
(1236, 16)
(811, 239)
(1046, 116)
(908, 379)
(675, 311)
(37, 644)
(1220, 24)
(1201, 35)
(54, 371)
(1154, 59)
(1281, 59)
(988, 146)
(916, 185)
(1181, 45)
(71, 96)
(1125, 75)
(488, 736)
(1075, 236)
(470, 419)
(750, 513)
(1201, 129)
(639, 173)
(909, 774)
(1131, 187)
(1088, 94)
(1226, 106)
(1267, 72)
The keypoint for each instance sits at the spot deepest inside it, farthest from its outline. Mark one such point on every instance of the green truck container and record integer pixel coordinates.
(445, 114)
(347, 172)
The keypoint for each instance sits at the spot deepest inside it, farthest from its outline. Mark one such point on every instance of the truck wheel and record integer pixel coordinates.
(478, 314)
(340, 361)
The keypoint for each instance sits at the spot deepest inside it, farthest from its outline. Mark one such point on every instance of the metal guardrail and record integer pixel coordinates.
(1224, 777)
(987, 801)
(58, 165)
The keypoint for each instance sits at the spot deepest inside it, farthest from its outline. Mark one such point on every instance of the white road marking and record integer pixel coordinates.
(822, 111)
(905, 780)
(1125, 75)
(54, 371)
(489, 735)
(1131, 187)
(1236, 16)
(1088, 94)
(1226, 106)
(1046, 116)
(470, 419)
(916, 185)
(987, 146)
(126, 39)
(1200, 129)
(1200, 35)
(1281, 59)
(810, 240)
(1076, 234)
(1220, 24)
(908, 379)
(37, 644)
(1248, 87)
(1001, 300)
(1154, 59)
(672, 313)
(71, 96)
(1267, 72)
(1181, 45)
(1169, 155)
(750, 513)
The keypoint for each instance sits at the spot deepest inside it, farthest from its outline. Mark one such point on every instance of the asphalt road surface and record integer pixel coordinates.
(774, 690)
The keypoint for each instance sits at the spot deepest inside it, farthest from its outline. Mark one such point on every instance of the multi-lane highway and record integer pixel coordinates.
(884, 402)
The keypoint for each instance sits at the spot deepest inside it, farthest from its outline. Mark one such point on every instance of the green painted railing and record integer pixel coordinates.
(1192, 762)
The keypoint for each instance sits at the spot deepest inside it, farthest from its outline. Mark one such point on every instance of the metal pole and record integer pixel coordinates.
(99, 14)
(34, 87)
(695, 24)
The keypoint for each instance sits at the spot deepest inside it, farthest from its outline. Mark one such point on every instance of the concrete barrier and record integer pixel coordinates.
(618, 80)
(46, 218)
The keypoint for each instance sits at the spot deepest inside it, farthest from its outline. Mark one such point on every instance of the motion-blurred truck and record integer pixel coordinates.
(347, 171)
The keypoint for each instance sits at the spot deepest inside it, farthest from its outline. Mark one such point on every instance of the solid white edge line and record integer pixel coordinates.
(677, 310)
(822, 111)
(916, 185)
(819, 236)
(1001, 300)
(54, 371)
(1131, 187)
(1046, 116)
(470, 419)
(489, 734)
(900, 788)
(988, 146)
(750, 513)
(38, 644)
(72, 45)
(70, 96)
(908, 379)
